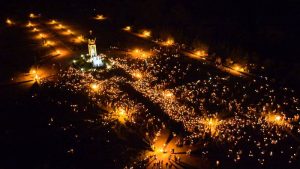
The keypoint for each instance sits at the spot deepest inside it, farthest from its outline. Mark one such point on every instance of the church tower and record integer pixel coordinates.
(94, 58)
(92, 45)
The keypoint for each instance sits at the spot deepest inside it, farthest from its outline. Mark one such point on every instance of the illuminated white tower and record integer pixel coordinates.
(97, 62)
(92, 45)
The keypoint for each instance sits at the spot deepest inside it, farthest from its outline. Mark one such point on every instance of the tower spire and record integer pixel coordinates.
(92, 45)
(94, 58)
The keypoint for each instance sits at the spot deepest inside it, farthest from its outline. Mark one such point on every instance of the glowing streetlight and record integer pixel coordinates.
(41, 35)
(276, 119)
(100, 17)
(108, 66)
(121, 112)
(35, 75)
(32, 15)
(168, 42)
(37, 78)
(33, 71)
(79, 39)
(69, 31)
(137, 51)
(201, 53)
(140, 54)
(127, 28)
(94, 87)
(211, 125)
(35, 30)
(137, 75)
(121, 115)
(9, 21)
(29, 24)
(53, 21)
(158, 151)
(48, 43)
(146, 34)
(168, 94)
(239, 68)
(60, 26)
(58, 52)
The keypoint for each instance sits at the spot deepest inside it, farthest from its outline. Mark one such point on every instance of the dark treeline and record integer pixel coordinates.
(256, 31)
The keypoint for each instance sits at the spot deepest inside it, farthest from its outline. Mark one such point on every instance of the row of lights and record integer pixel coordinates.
(197, 54)
(77, 39)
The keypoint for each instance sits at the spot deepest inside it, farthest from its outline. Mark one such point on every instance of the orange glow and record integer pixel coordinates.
(29, 24)
(32, 15)
(211, 125)
(201, 53)
(79, 39)
(60, 52)
(67, 32)
(145, 34)
(100, 17)
(140, 54)
(38, 74)
(121, 115)
(127, 28)
(60, 26)
(49, 43)
(137, 51)
(239, 68)
(9, 21)
(137, 75)
(168, 94)
(276, 119)
(168, 42)
(35, 30)
(37, 78)
(35, 75)
(33, 71)
(160, 152)
(160, 149)
(95, 87)
(53, 21)
(41, 36)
